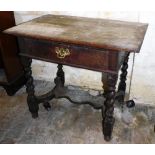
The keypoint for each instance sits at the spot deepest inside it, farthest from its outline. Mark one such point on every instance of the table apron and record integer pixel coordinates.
(76, 56)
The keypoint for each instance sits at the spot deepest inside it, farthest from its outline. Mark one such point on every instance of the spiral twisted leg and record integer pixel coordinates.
(109, 83)
(123, 77)
(31, 99)
(60, 74)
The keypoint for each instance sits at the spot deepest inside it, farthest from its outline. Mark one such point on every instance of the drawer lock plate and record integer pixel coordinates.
(62, 52)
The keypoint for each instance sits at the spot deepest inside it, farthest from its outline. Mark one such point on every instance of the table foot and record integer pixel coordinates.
(107, 138)
(130, 103)
(107, 129)
(47, 106)
(34, 115)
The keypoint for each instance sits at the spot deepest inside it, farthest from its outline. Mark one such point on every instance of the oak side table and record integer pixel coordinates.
(90, 43)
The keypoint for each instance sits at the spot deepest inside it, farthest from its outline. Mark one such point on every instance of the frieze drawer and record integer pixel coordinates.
(65, 54)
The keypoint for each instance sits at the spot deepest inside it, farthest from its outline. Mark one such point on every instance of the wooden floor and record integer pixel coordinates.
(69, 123)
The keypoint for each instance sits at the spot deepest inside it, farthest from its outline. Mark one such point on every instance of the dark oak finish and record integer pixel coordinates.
(10, 65)
(95, 44)
(31, 99)
(61, 74)
(45, 50)
(107, 111)
(123, 77)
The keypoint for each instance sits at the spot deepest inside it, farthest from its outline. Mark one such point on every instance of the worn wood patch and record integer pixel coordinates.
(98, 33)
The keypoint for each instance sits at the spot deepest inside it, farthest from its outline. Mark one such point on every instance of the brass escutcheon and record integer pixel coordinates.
(62, 52)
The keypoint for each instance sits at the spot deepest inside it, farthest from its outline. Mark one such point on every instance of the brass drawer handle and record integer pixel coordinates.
(62, 52)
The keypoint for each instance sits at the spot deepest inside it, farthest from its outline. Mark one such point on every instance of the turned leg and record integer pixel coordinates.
(47, 106)
(122, 83)
(60, 75)
(31, 99)
(59, 81)
(109, 84)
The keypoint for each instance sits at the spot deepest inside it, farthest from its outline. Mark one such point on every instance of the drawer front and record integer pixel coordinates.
(65, 54)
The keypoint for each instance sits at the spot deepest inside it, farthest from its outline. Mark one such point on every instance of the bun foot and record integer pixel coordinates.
(47, 106)
(107, 138)
(34, 115)
(130, 103)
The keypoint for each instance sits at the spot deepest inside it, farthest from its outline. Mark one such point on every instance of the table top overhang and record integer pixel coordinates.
(93, 32)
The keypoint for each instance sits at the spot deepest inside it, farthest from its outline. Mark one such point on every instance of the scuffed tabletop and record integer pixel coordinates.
(93, 32)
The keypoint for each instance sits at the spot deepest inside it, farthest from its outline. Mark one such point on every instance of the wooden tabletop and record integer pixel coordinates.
(94, 32)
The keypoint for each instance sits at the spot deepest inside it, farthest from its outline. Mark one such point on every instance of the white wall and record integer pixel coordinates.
(143, 84)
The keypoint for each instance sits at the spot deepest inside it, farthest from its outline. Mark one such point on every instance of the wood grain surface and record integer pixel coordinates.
(93, 32)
